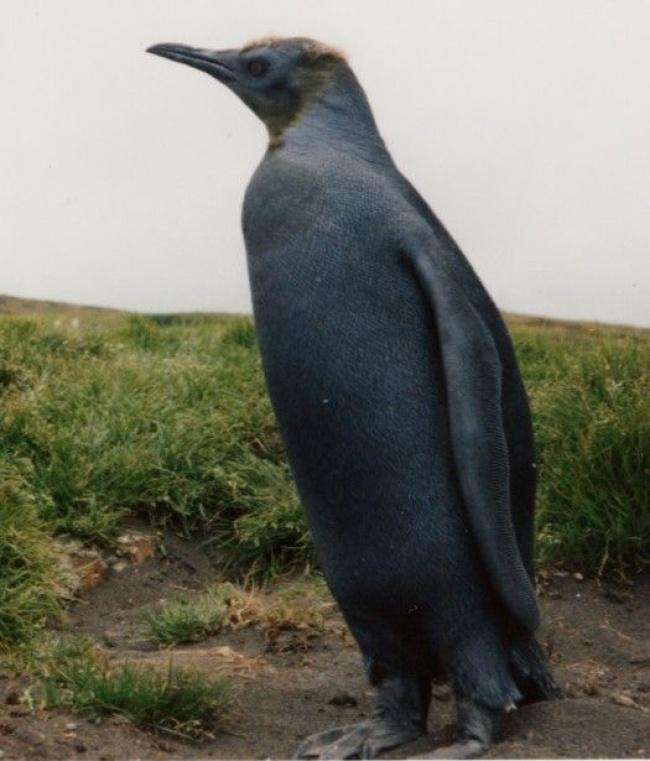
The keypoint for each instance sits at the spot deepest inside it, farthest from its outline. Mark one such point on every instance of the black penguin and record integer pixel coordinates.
(398, 395)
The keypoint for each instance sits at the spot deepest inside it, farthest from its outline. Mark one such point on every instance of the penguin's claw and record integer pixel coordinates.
(364, 740)
(313, 745)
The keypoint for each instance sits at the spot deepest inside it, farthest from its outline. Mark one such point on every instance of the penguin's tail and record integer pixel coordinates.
(531, 671)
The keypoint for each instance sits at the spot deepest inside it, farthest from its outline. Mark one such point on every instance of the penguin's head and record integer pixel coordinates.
(277, 78)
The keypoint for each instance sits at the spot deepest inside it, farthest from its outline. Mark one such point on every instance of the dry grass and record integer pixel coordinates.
(299, 605)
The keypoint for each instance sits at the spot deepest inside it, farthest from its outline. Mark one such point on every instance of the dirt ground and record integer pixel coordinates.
(599, 640)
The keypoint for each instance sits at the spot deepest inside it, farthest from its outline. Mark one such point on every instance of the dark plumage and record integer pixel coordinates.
(398, 396)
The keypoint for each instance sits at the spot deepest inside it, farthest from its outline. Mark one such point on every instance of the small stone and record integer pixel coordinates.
(71, 726)
(343, 699)
(624, 700)
(578, 577)
(120, 566)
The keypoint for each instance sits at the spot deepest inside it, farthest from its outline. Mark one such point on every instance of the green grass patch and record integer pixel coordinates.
(590, 398)
(168, 419)
(71, 673)
(179, 702)
(171, 423)
(31, 572)
(192, 619)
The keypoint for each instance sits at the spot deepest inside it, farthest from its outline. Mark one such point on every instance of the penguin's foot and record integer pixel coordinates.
(364, 740)
(465, 749)
(477, 725)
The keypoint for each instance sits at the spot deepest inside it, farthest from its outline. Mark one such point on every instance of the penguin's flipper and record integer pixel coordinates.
(472, 372)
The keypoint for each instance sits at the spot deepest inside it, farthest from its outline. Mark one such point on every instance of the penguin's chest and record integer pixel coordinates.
(351, 363)
(341, 321)
(350, 359)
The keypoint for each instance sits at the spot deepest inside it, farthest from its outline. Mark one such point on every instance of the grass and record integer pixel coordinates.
(592, 419)
(167, 418)
(299, 604)
(32, 575)
(179, 702)
(184, 619)
(303, 604)
(71, 673)
(171, 423)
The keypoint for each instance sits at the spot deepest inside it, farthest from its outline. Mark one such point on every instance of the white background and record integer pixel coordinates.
(526, 125)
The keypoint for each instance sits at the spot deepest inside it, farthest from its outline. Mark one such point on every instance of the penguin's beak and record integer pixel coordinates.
(217, 63)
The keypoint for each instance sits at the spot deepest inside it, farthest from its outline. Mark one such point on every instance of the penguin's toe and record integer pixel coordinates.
(338, 742)
(364, 740)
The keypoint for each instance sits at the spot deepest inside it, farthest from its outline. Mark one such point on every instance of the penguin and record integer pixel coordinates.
(397, 393)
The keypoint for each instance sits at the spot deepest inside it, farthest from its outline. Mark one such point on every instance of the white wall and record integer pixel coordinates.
(526, 125)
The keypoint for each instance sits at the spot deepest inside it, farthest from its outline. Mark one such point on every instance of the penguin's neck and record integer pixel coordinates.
(339, 117)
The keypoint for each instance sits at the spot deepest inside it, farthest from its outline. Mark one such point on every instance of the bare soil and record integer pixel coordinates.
(598, 637)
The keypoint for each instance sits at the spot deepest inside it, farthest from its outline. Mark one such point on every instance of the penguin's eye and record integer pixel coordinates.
(257, 68)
